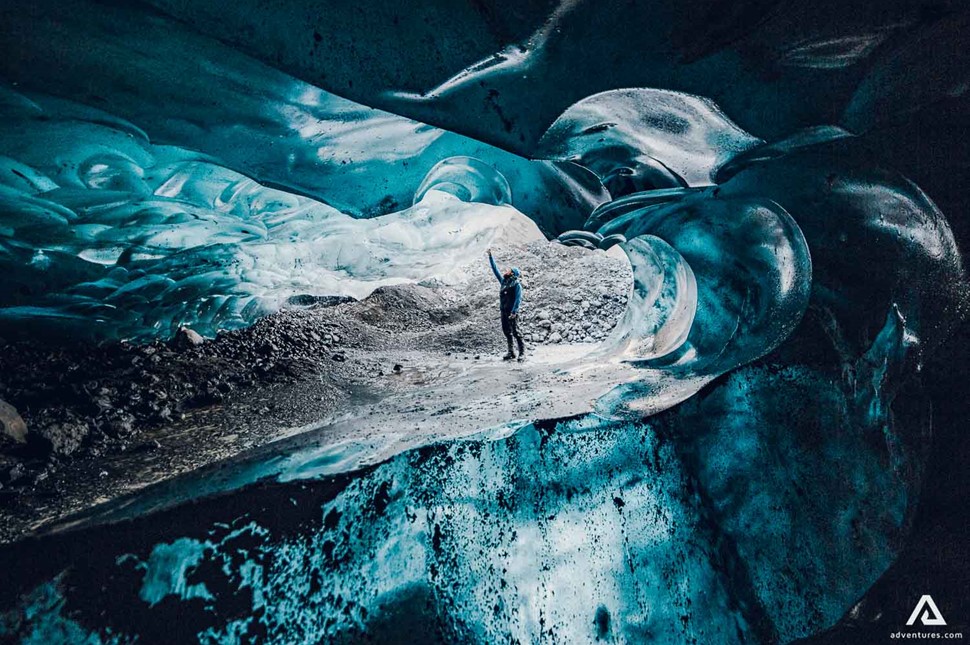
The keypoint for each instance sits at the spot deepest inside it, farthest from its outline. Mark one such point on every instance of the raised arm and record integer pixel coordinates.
(491, 261)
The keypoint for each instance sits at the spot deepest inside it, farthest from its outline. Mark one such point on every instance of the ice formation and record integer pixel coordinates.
(792, 271)
(107, 235)
(694, 525)
(641, 139)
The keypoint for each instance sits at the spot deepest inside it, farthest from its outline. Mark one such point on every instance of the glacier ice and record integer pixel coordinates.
(290, 134)
(758, 511)
(663, 302)
(153, 264)
(468, 179)
(107, 235)
(876, 239)
(641, 139)
(722, 518)
(798, 278)
(752, 268)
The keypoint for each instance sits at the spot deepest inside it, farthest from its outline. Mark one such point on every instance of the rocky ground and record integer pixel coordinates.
(74, 414)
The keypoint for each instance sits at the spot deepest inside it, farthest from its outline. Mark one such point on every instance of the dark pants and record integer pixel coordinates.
(510, 327)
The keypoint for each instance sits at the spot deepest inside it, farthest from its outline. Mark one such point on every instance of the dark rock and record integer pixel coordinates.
(307, 300)
(16, 473)
(64, 437)
(11, 469)
(119, 424)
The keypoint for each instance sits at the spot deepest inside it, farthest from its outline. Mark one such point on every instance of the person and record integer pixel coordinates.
(510, 297)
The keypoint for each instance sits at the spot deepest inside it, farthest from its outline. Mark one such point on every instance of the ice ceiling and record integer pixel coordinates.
(766, 162)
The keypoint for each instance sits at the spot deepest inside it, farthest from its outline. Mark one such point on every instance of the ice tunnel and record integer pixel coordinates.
(252, 386)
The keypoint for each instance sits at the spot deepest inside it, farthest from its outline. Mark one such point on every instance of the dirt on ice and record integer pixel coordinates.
(407, 364)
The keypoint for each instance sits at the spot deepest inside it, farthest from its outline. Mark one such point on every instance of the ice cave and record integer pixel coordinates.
(251, 382)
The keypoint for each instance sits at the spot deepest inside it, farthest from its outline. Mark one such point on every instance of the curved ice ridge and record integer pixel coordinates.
(642, 138)
(750, 276)
(663, 305)
(104, 234)
(468, 179)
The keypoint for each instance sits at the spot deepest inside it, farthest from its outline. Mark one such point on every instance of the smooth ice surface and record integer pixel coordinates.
(468, 179)
(719, 519)
(664, 300)
(641, 139)
(751, 267)
(105, 234)
(257, 120)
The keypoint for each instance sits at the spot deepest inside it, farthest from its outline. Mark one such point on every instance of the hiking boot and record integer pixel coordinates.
(508, 357)
(521, 358)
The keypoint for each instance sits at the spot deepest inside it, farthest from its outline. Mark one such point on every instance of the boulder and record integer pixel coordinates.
(186, 338)
(11, 424)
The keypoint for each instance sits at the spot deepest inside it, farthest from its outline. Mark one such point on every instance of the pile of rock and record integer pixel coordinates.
(583, 319)
(88, 397)
(573, 294)
(410, 308)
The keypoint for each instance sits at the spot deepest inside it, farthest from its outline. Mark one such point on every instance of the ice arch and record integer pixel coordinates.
(468, 179)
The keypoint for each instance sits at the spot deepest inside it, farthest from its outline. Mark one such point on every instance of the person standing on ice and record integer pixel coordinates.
(510, 297)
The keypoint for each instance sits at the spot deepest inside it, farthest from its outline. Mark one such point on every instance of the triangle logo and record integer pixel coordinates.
(927, 612)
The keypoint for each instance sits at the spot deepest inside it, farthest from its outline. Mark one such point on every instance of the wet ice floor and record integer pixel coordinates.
(428, 401)
(455, 399)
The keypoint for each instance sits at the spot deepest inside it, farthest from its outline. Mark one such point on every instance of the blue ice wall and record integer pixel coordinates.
(107, 235)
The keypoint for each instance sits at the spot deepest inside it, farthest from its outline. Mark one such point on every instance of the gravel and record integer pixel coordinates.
(89, 400)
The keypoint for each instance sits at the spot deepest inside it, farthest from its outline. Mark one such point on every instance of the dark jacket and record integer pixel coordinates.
(510, 295)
